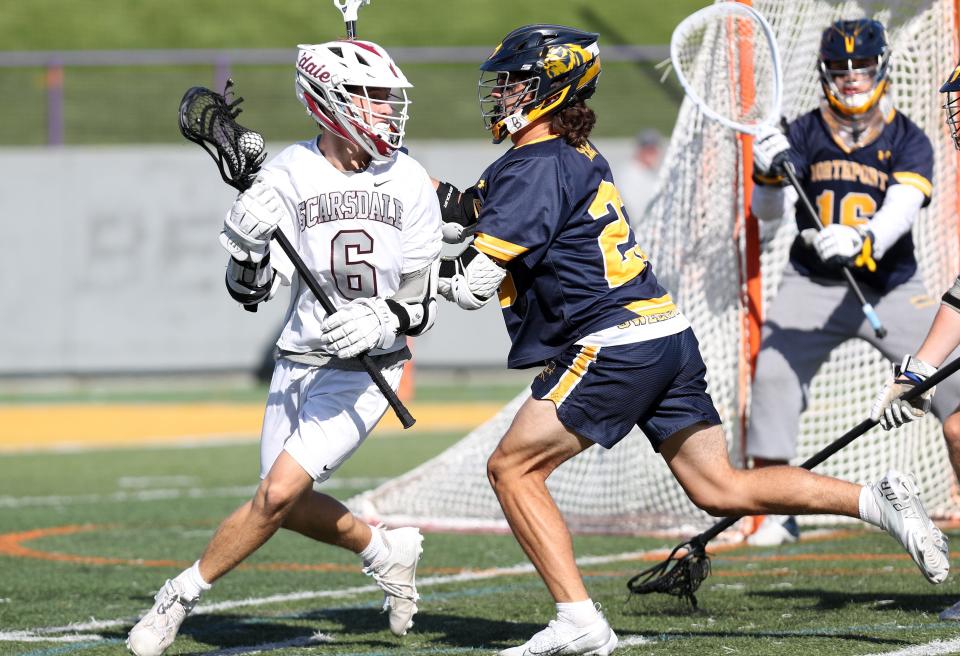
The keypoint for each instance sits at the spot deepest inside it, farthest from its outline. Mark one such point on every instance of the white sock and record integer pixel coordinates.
(578, 613)
(869, 509)
(193, 584)
(376, 550)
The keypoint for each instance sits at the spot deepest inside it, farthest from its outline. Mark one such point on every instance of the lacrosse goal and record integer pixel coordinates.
(704, 249)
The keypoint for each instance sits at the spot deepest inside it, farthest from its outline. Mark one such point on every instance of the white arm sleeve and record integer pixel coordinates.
(769, 203)
(895, 217)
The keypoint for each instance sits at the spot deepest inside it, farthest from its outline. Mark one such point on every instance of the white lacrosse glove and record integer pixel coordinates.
(469, 279)
(842, 245)
(892, 411)
(252, 219)
(359, 326)
(770, 147)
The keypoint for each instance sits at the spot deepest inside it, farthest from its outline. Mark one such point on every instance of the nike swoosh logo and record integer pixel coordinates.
(557, 649)
(325, 468)
(382, 182)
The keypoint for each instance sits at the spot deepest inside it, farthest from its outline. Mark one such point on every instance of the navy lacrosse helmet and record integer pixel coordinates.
(536, 70)
(952, 106)
(850, 49)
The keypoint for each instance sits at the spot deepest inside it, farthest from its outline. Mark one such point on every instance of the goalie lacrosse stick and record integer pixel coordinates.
(209, 119)
(747, 96)
(680, 576)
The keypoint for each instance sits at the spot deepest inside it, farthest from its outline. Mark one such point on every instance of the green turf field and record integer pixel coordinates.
(87, 536)
(118, 104)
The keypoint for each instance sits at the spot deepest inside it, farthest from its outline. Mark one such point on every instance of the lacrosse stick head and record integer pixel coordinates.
(952, 104)
(208, 118)
(349, 10)
(679, 576)
(727, 61)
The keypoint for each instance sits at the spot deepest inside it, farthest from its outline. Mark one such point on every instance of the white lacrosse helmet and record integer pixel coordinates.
(333, 82)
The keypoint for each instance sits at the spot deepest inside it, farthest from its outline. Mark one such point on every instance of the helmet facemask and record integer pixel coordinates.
(837, 78)
(504, 97)
(952, 108)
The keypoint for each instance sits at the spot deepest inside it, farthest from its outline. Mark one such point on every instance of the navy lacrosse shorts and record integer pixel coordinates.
(601, 393)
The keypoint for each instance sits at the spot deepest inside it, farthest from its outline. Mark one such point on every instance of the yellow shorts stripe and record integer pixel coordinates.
(652, 305)
(498, 248)
(573, 375)
(914, 180)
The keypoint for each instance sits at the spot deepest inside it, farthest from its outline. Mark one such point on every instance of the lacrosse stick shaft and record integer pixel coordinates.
(867, 308)
(365, 360)
(914, 392)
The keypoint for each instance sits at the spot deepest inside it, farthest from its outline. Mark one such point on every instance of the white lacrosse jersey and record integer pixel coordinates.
(356, 231)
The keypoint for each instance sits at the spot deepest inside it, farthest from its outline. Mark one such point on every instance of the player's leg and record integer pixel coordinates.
(587, 395)
(697, 456)
(337, 413)
(535, 444)
(240, 534)
(806, 321)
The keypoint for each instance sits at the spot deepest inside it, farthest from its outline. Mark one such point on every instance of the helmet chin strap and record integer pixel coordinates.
(857, 130)
(516, 122)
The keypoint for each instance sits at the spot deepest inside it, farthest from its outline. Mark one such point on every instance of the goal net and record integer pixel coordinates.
(704, 249)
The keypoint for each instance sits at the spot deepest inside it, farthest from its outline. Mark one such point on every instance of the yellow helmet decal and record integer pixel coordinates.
(548, 104)
(591, 73)
(849, 41)
(956, 74)
(563, 59)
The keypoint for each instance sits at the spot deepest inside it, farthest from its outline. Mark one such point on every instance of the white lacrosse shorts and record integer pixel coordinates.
(320, 415)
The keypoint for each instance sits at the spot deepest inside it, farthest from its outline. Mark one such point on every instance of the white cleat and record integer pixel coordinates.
(903, 516)
(396, 576)
(156, 630)
(565, 639)
(775, 530)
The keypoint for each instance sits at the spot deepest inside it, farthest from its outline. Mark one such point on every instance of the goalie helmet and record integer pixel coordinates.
(333, 81)
(952, 105)
(849, 50)
(536, 70)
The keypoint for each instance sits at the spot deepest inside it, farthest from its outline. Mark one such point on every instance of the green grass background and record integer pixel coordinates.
(855, 593)
(108, 105)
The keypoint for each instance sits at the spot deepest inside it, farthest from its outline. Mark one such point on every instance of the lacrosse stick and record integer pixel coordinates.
(349, 10)
(209, 119)
(680, 576)
(749, 95)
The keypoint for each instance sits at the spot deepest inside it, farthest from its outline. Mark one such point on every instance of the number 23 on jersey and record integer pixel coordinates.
(618, 267)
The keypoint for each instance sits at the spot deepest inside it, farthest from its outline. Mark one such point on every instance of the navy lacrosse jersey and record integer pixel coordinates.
(849, 187)
(552, 215)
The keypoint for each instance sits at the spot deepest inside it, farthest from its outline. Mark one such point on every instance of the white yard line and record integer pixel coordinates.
(929, 649)
(27, 636)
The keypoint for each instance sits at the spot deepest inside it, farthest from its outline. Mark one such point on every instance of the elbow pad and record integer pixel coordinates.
(952, 297)
(414, 318)
(470, 279)
(249, 283)
(459, 211)
(415, 303)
